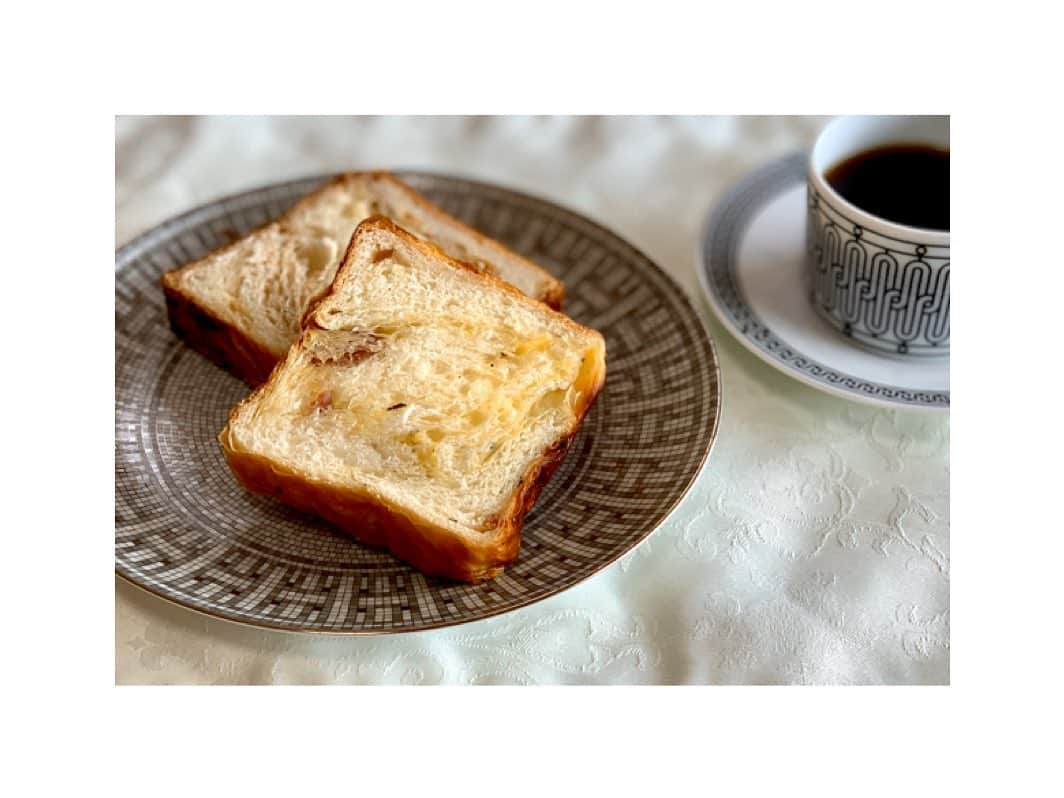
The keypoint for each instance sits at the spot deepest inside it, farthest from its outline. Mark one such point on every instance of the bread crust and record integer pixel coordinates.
(372, 519)
(227, 346)
(429, 249)
(217, 340)
(432, 549)
(553, 294)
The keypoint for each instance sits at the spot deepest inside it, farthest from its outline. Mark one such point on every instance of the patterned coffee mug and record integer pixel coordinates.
(884, 285)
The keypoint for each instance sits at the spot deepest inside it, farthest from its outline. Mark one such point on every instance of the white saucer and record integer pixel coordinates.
(752, 261)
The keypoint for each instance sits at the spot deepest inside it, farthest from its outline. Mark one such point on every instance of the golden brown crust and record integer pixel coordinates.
(554, 296)
(218, 341)
(430, 250)
(553, 293)
(430, 548)
(228, 347)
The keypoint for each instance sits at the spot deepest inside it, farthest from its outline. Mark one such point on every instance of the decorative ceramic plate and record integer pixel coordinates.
(751, 266)
(186, 531)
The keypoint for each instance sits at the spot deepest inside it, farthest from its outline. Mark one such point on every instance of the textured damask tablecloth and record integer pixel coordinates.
(813, 547)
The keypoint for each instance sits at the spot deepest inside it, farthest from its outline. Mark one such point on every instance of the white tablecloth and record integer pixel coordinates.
(813, 547)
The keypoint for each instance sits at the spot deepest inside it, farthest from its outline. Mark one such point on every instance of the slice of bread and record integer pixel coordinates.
(423, 407)
(241, 305)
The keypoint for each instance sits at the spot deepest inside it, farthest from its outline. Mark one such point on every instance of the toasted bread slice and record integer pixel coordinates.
(241, 305)
(423, 407)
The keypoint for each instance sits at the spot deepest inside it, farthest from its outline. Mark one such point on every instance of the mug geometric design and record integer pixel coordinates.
(723, 238)
(884, 292)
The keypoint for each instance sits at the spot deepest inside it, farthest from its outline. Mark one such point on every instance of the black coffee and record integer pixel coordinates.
(905, 184)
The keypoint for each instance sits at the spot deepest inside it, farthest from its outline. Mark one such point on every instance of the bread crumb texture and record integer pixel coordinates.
(417, 383)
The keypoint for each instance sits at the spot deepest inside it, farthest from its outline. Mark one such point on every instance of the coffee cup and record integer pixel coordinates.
(882, 282)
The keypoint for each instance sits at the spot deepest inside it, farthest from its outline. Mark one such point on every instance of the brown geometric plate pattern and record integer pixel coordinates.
(185, 530)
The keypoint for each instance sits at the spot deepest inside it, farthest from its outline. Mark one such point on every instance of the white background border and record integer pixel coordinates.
(70, 70)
